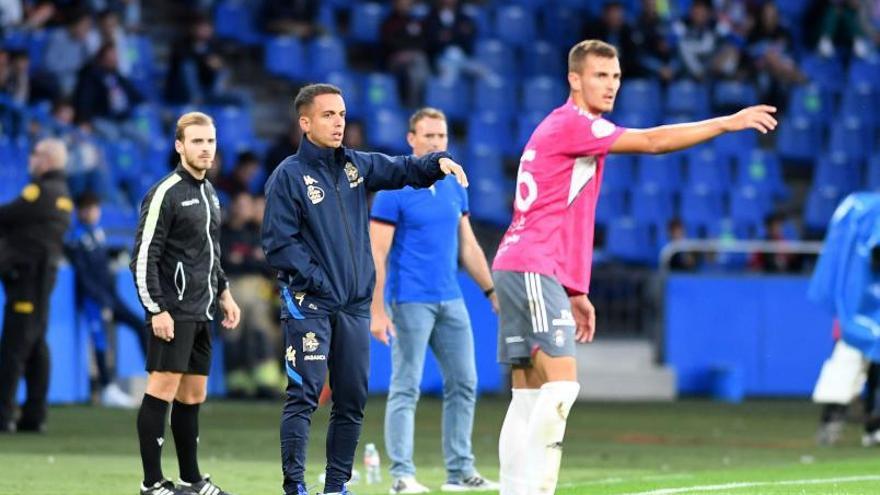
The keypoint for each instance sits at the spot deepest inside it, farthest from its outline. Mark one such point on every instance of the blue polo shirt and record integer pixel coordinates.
(423, 262)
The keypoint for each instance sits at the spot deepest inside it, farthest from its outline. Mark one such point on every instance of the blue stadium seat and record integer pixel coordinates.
(36, 47)
(707, 169)
(493, 95)
(630, 240)
(234, 125)
(652, 204)
(366, 20)
(489, 129)
(561, 24)
(810, 101)
(479, 14)
(839, 170)
(861, 100)
(797, 138)
(686, 97)
(124, 159)
(351, 87)
(514, 25)
(853, 135)
(491, 201)
(496, 56)
(452, 96)
(525, 126)
(872, 177)
(862, 71)
(140, 51)
(634, 119)
(700, 207)
(824, 71)
(120, 225)
(542, 94)
(821, 203)
(734, 95)
(611, 205)
(640, 96)
(326, 54)
(484, 162)
(148, 120)
(663, 171)
(731, 145)
(762, 170)
(380, 91)
(618, 174)
(386, 130)
(749, 205)
(541, 58)
(725, 229)
(285, 56)
(235, 20)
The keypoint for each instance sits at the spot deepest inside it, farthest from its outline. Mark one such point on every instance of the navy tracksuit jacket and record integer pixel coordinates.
(315, 233)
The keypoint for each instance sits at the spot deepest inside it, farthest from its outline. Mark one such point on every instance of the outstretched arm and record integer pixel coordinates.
(666, 138)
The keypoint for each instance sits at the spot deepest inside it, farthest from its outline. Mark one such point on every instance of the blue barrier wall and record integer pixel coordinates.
(70, 347)
(763, 327)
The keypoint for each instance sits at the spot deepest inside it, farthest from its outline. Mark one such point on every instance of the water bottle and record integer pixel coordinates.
(372, 464)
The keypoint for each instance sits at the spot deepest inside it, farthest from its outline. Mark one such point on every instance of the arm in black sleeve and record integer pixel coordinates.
(155, 220)
(387, 172)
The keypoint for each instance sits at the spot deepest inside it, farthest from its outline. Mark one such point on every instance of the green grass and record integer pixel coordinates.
(610, 449)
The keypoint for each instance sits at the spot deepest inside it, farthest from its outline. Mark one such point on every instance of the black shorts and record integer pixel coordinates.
(189, 352)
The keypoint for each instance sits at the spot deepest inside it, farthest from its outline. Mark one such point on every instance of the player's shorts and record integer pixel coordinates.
(535, 313)
(188, 352)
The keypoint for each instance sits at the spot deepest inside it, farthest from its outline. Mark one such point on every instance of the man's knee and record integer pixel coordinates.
(163, 385)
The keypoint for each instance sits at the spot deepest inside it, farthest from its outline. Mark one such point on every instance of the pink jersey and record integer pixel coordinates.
(557, 186)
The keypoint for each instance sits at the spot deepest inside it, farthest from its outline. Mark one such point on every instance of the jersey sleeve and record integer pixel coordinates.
(386, 207)
(591, 137)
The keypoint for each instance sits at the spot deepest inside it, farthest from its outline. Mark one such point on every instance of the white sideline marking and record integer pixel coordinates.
(751, 484)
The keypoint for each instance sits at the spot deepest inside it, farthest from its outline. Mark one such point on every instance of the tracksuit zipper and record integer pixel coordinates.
(347, 231)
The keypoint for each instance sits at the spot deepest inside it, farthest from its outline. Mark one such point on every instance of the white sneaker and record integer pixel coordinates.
(113, 396)
(473, 483)
(407, 484)
(871, 439)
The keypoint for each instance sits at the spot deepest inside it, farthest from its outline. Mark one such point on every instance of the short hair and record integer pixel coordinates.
(87, 199)
(306, 95)
(56, 151)
(425, 113)
(579, 53)
(190, 119)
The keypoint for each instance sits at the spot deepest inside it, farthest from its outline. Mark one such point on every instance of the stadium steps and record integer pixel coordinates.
(624, 370)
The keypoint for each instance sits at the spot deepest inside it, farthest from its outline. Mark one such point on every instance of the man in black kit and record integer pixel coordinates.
(32, 231)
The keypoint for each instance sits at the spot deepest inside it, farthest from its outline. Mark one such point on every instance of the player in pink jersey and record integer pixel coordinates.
(542, 268)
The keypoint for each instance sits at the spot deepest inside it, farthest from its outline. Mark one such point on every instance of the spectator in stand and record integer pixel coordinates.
(110, 31)
(285, 145)
(839, 27)
(67, 52)
(450, 35)
(686, 261)
(290, 17)
(197, 73)
(15, 75)
(772, 52)
(251, 354)
(106, 97)
(697, 40)
(655, 51)
(869, 18)
(613, 28)
(128, 11)
(403, 43)
(240, 180)
(354, 136)
(779, 262)
(16, 14)
(87, 168)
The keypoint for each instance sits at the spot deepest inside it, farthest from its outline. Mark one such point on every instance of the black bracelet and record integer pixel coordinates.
(488, 292)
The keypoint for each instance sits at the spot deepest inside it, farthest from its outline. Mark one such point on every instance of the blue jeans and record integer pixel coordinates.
(446, 327)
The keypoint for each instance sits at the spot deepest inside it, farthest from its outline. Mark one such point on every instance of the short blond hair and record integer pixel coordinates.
(55, 151)
(190, 119)
(579, 52)
(425, 113)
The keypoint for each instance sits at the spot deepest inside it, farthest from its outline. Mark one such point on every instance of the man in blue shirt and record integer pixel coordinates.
(417, 237)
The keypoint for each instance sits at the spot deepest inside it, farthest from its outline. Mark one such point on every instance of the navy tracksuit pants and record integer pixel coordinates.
(340, 344)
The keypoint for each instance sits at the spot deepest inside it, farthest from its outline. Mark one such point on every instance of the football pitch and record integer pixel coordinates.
(688, 447)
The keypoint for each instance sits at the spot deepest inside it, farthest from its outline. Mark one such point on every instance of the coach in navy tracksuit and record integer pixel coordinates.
(315, 233)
